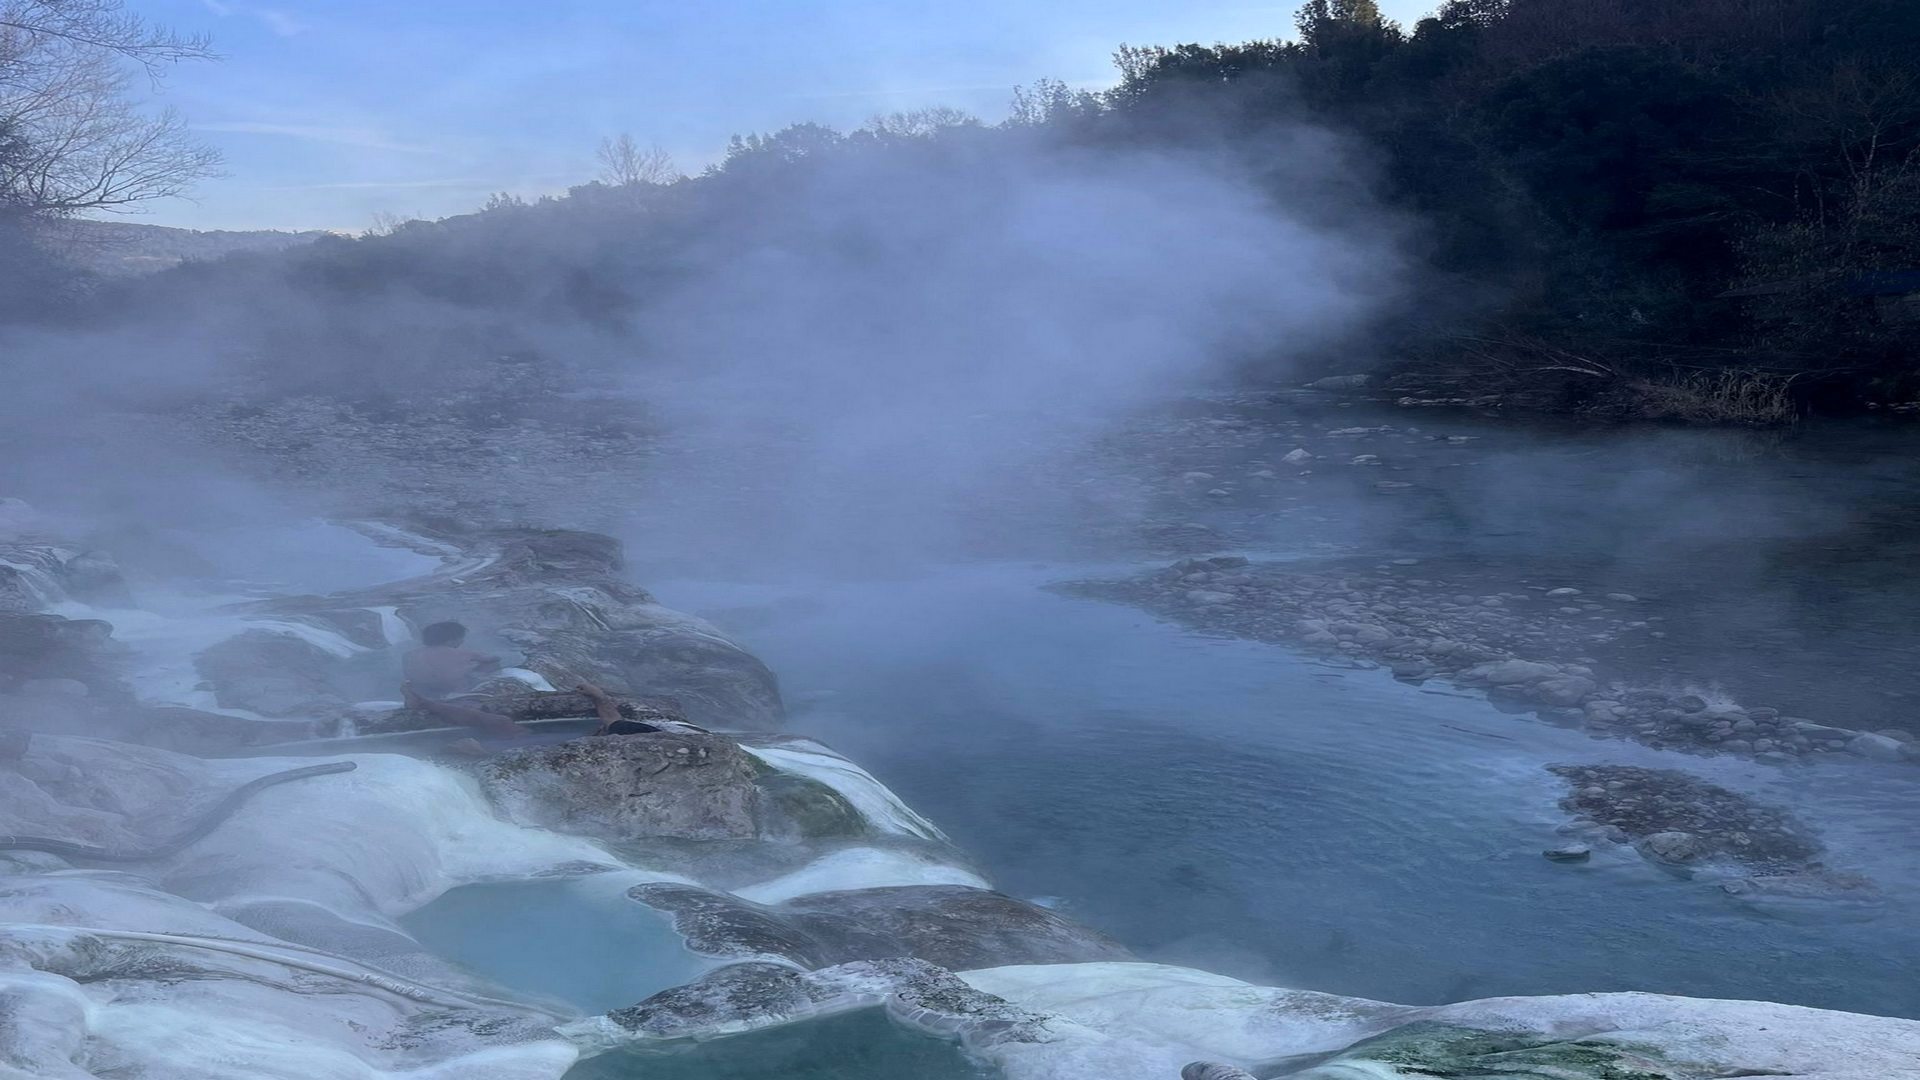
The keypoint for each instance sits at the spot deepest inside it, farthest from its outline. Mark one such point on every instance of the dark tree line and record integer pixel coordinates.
(1674, 191)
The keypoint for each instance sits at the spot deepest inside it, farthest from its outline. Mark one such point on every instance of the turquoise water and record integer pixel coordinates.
(858, 1046)
(1239, 807)
(1247, 809)
(579, 940)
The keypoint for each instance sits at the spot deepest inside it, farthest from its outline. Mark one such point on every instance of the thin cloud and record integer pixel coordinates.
(383, 185)
(281, 23)
(360, 137)
(904, 91)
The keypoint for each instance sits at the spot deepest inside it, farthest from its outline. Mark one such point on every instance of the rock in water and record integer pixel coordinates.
(754, 995)
(1208, 1070)
(1563, 689)
(1569, 853)
(1675, 847)
(1695, 818)
(1817, 884)
(1439, 1049)
(1210, 597)
(1511, 673)
(951, 925)
(1876, 747)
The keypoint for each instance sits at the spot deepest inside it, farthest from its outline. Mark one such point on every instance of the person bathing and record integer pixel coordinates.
(441, 667)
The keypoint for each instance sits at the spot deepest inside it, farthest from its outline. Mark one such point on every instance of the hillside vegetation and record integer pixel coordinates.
(1696, 209)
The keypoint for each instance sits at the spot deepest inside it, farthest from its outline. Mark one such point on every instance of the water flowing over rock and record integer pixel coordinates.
(952, 926)
(259, 950)
(754, 996)
(35, 575)
(1120, 1021)
(118, 980)
(1141, 1021)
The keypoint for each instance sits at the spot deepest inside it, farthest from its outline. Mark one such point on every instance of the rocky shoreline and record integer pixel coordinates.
(1393, 616)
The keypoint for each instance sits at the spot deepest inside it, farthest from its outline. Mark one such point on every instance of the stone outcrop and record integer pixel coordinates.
(672, 785)
(36, 574)
(63, 706)
(37, 648)
(676, 786)
(754, 996)
(273, 674)
(97, 793)
(949, 925)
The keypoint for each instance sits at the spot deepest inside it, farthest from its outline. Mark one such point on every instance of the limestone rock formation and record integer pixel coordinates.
(680, 784)
(557, 597)
(37, 573)
(666, 785)
(949, 925)
(38, 647)
(273, 674)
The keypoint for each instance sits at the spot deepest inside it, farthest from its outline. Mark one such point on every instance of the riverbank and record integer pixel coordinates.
(792, 877)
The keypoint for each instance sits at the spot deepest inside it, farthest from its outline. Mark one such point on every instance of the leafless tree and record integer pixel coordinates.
(920, 122)
(73, 136)
(624, 163)
(103, 25)
(386, 223)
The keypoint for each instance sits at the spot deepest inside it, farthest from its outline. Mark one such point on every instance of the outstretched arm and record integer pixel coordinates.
(607, 709)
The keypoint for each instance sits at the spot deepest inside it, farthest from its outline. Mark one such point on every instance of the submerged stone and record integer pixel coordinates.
(1675, 847)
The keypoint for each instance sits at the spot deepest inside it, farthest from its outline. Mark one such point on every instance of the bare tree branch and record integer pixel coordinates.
(73, 136)
(105, 26)
(624, 163)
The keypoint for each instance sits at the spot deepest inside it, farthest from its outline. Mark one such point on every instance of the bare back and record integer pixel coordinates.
(439, 670)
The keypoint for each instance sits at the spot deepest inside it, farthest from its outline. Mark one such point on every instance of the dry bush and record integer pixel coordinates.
(1728, 396)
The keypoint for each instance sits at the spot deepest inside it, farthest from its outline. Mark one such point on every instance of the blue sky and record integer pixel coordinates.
(329, 113)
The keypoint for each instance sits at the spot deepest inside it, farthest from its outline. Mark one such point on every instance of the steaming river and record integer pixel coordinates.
(1245, 808)
(1252, 810)
(1234, 806)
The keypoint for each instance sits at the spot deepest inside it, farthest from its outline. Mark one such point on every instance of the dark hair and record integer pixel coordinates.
(443, 633)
